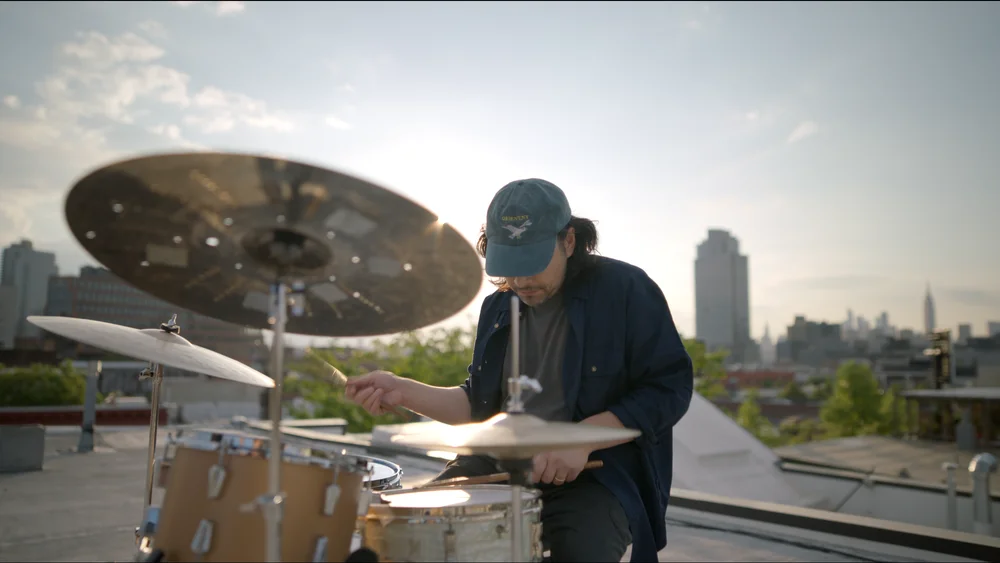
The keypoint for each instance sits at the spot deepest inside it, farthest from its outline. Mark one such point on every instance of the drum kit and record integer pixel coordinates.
(269, 243)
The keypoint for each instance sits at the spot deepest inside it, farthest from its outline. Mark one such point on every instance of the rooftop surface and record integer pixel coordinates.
(920, 459)
(83, 507)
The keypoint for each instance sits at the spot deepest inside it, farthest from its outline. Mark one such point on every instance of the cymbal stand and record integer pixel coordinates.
(155, 373)
(518, 468)
(271, 504)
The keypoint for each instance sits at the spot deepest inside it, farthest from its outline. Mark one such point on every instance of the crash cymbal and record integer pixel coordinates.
(211, 232)
(514, 436)
(153, 345)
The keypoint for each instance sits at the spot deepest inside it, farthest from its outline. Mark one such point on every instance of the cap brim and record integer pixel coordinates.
(506, 261)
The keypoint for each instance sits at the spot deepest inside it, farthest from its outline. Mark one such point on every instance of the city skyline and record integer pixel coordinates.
(851, 167)
(851, 319)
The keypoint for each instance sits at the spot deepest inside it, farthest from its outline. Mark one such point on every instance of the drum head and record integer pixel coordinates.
(440, 497)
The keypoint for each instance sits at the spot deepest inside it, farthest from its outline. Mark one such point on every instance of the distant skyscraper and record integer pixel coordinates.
(930, 321)
(27, 271)
(722, 295)
(964, 333)
(993, 328)
(768, 352)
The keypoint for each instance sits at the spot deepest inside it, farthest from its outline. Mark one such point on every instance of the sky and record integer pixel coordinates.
(850, 147)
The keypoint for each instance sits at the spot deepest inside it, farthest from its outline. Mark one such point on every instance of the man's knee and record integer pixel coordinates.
(583, 545)
(584, 523)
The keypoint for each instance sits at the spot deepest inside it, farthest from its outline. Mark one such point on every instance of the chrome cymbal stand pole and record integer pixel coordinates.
(155, 373)
(272, 503)
(517, 468)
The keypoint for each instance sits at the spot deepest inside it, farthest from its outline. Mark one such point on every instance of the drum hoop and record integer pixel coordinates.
(244, 444)
(396, 476)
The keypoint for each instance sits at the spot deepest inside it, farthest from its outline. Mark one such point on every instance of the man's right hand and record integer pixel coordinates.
(375, 391)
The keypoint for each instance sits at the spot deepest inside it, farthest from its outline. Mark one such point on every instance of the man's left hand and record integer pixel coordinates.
(561, 466)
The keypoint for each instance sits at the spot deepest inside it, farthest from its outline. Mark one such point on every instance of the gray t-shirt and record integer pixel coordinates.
(543, 345)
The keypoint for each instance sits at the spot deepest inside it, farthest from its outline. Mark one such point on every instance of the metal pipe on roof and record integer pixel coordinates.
(952, 502)
(981, 466)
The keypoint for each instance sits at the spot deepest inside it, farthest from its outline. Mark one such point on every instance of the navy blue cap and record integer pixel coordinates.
(522, 225)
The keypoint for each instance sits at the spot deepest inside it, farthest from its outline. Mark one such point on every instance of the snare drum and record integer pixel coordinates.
(384, 476)
(469, 523)
(208, 511)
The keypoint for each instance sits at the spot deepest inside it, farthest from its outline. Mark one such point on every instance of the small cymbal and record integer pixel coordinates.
(212, 232)
(153, 345)
(514, 436)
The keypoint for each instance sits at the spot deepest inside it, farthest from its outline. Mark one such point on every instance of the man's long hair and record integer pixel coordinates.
(583, 257)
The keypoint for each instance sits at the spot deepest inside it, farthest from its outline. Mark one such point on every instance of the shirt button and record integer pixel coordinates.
(496, 325)
(593, 368)
(480, 368)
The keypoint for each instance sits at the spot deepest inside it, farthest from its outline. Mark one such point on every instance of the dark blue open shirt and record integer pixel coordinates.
(623, 355)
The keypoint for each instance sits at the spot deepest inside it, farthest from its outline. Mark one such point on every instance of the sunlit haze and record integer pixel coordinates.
(850, 147)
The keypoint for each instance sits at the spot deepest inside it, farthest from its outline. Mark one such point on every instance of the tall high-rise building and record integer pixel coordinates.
(722, 295)
(930, 321)
(27, 271)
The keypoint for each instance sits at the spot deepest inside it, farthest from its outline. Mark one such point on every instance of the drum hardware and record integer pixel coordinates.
(202, 541)
(319, 555)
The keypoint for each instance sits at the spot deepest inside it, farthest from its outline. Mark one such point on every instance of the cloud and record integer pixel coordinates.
(153, 29)
(221, 111)
(693, 25)
(221, 8)
(803, 131)
(337, 123)
(225, 8)
(99, 88)
(347, 89)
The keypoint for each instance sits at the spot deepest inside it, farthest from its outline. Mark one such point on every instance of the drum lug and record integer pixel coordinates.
(536, 542)
(319, 554)
(202, 541)
(216, 479)
(450, 545)
(330, 499)
(364, 501)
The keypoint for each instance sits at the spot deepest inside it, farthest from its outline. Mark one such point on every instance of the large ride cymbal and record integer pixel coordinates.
(153, 345)
(211, 232)
(514, 436)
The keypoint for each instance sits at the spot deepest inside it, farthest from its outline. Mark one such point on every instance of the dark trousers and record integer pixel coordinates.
(582, 521)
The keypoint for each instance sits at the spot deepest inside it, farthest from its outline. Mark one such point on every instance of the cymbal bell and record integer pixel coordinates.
(514, 436)
(153, 345)
(212, 233)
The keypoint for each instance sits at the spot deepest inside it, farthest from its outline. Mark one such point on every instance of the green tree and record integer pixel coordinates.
(753, 421)
(709, 369)
(794, 393)
(41, 385)
(858, 407)
(437, 357)
(794, 430)
(822, 389)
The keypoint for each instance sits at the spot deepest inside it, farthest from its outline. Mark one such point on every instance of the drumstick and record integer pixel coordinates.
(491, 478)
(340, 379)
